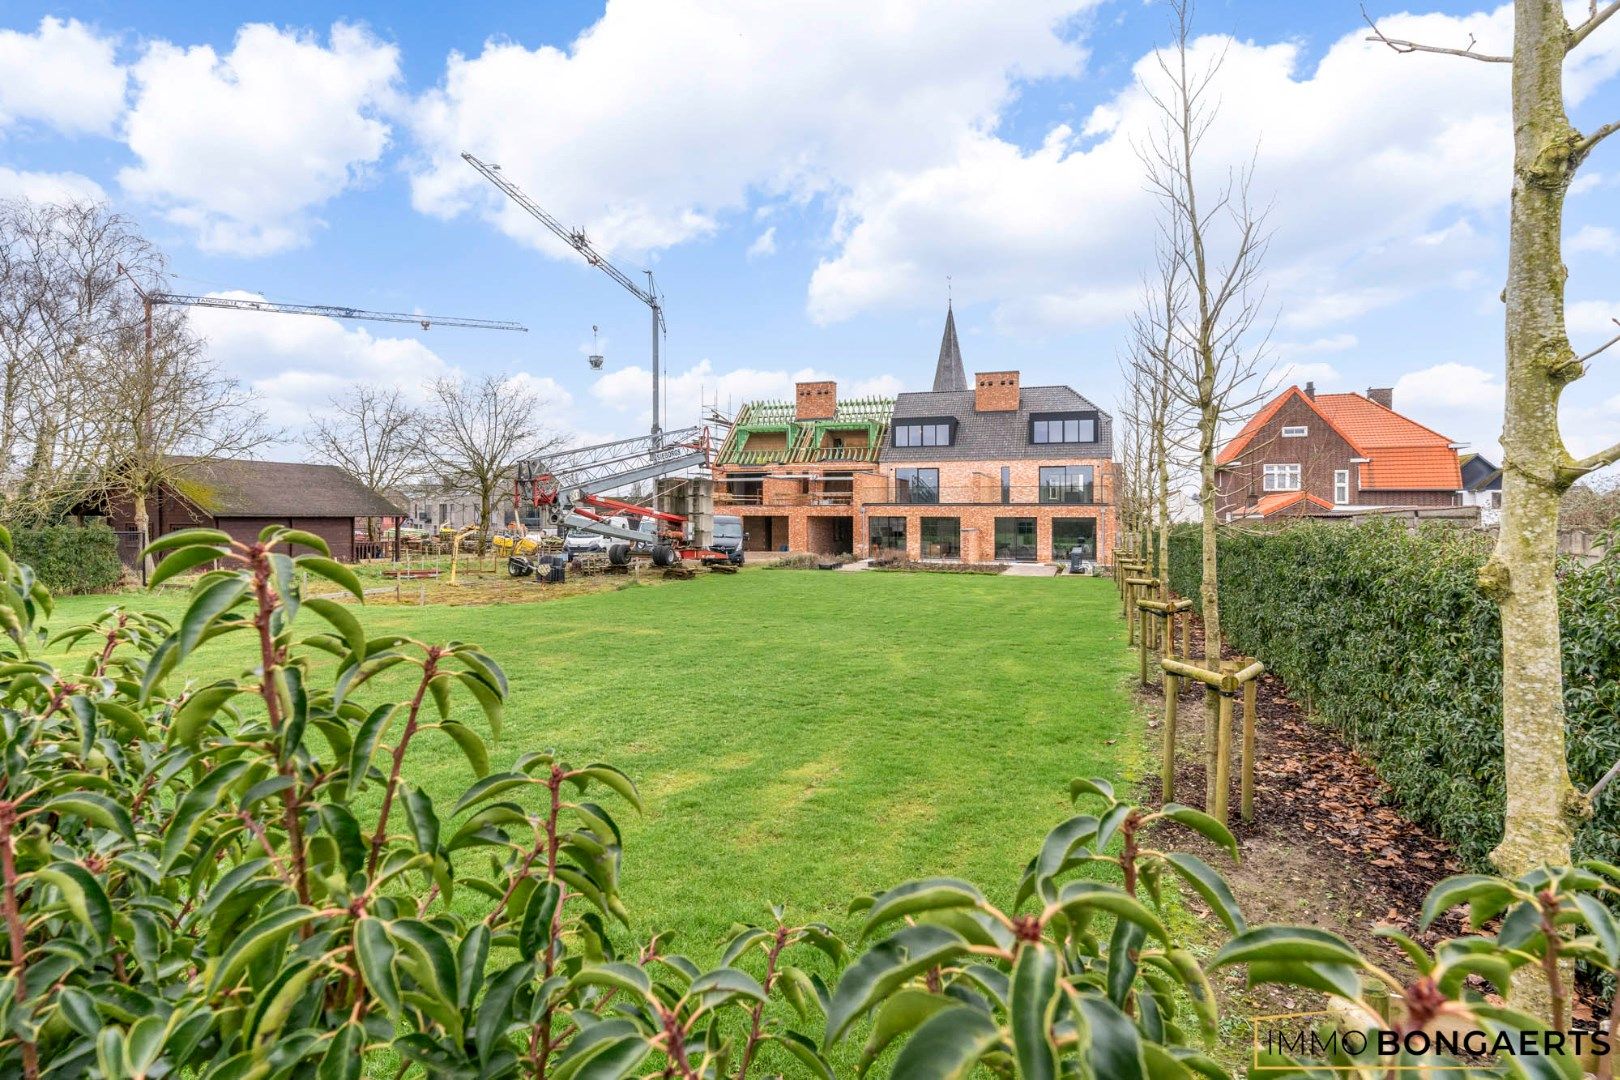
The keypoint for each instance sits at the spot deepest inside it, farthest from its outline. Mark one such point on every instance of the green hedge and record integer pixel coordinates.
(71, 558)
(1382, 632)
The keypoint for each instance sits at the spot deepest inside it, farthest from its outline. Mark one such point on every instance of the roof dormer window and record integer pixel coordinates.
(1063, 427)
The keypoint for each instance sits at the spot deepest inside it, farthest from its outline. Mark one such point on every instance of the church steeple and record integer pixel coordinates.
(950, 375)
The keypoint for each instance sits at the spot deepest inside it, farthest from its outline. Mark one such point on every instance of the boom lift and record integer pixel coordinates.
(567, 488)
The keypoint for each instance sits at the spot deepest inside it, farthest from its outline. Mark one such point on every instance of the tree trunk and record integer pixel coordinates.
(1542, 805)
(484, 500)
(1209, 598)
(143, 532)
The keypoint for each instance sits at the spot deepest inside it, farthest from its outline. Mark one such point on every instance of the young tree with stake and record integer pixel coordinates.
(1218, 241)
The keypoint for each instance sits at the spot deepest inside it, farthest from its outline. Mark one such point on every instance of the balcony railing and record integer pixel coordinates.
(824, 498)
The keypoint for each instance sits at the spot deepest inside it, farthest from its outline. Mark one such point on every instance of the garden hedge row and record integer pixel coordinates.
(71, 558)
(1383, 634)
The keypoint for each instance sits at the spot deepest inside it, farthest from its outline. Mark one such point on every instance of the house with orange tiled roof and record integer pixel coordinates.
(1310, 454)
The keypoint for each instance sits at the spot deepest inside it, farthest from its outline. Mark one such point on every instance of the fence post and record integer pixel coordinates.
(1186, 626)
(1143, 616)
(1251, 694)
(1167, 771)
(1223, 746)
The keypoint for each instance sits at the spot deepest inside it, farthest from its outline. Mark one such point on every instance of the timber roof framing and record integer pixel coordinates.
(804, 438)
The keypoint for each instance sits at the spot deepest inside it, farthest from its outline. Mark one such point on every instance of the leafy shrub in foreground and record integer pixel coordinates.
(237, 880)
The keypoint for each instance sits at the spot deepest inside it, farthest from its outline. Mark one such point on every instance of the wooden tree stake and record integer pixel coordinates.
(1223, 746)
(1167, 771)
(1251, 694)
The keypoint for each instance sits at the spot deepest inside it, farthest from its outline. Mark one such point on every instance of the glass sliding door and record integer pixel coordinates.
(1015, 540)
(941, 537)
(1074, 533)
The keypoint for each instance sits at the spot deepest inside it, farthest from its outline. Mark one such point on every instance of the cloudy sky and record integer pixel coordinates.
(803, 177)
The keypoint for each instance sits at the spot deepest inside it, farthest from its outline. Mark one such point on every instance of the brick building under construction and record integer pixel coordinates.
(995, 471)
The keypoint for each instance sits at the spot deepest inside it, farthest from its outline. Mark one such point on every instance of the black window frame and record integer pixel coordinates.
(1008, 542)
(923, 539)
(881, 531)
(1040, 423)
(1066, 492)
(1060, 552)
(928, 495)
(919, 429)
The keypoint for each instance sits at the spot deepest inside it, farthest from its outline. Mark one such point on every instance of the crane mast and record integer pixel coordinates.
(576, 239)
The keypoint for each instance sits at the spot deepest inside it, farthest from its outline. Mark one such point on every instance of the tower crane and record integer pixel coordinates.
(576, 239)
(149, 300)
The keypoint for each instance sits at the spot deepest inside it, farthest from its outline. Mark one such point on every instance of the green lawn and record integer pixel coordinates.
(800, 737)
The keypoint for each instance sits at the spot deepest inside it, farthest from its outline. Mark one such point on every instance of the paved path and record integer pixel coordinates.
(1031, 570)
(861, 564)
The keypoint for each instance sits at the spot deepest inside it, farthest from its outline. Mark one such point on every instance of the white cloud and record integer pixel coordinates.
(1462, 401)
(764, 244)
(1325, 376)
(1598, 238)
(1591, 318)
(64, 75)
(628, 391)
(43, 187)
(296, 364)
(1370, 202)
(1336, 343)
(242, 149)
(668, 115)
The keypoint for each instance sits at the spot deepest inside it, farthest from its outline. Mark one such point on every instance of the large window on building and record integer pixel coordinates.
(941, 537)
(1070, 533)
(924, 431)
(1015, 540)
(1281, 478)
(1063, 427)
(886, 534)
(1066, 483)
(916, 485)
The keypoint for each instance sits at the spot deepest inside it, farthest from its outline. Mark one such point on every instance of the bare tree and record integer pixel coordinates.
(1151, 362)
(477, 431)
(1218, 243)
(162, 407)
(99, 401)
(1537, 468)
(373, 434)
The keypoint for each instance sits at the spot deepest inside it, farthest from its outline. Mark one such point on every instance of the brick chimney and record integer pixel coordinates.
(1310, 390)
(1382, 395)
(816, 400)
(995, 391)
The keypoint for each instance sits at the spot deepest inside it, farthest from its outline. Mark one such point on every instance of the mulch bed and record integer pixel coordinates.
(1316, 794)
(1326, 846)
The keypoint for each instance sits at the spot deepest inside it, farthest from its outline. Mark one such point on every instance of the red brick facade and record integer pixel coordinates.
(828, 508)
(1298, 430)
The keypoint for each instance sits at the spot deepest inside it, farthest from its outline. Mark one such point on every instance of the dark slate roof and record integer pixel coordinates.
(991, 435)
(278, 489)
(949, 373)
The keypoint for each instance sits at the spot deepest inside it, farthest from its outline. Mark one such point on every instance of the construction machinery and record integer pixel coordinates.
(150, 300)
(576, 239)
(567, 490)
